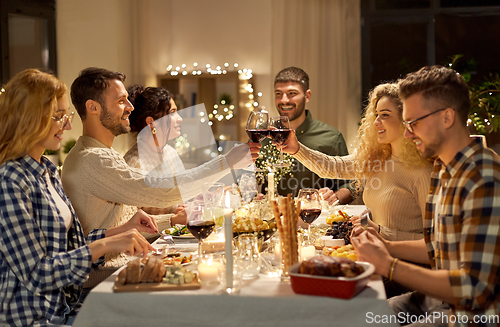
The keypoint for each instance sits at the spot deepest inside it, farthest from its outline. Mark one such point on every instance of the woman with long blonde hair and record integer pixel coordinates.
(387, 167)
(44, 256)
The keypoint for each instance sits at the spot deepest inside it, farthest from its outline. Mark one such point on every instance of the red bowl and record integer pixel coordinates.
(339, 287)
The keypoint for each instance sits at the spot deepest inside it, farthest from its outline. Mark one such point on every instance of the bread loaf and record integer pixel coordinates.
(122, 277)
(147, 270)
(133, 271)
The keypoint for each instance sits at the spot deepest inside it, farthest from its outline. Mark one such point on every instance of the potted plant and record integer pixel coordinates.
(484, 113)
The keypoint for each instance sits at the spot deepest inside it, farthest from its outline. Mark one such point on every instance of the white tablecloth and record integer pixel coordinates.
(262, 302)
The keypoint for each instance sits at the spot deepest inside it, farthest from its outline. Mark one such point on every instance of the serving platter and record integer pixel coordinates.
(156, 287)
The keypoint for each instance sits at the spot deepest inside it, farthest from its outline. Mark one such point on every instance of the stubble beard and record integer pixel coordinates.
(294, 114)
(432, 150)
(108, 121)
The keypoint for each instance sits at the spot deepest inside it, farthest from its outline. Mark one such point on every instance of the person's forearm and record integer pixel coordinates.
(114, 231)
(159, 211)
(414, 251)
(344, 195)
(98, 249)
(435, 283)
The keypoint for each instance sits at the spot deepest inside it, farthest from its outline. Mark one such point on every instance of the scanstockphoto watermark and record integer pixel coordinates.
(404, 318)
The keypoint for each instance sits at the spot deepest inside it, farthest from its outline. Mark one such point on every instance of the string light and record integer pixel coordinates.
(222, 110)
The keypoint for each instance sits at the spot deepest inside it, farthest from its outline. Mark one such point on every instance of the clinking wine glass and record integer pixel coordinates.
(257, 129)
(279, 130)
(310, 207)
(198, 223)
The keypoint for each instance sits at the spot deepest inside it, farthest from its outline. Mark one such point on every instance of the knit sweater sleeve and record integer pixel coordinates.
(324, 165)
(105, 174)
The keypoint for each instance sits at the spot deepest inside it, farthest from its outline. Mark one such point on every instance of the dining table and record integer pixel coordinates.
(262, 301)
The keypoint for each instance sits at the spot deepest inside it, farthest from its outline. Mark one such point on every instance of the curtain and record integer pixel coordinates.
(323, 37)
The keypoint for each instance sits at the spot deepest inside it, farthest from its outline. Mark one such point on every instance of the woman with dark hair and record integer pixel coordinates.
(44, 256)
(151, 104)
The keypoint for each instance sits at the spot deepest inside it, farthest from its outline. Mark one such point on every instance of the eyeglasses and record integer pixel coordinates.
(408, 124)
(62, 121)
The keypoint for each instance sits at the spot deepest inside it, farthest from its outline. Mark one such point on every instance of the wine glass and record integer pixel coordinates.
(310, 207)
(213, 198)
(257, 129)
(248, 187)
(279, 130)
(199, 224)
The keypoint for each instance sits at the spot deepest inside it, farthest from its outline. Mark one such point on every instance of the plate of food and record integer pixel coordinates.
(172, 259)
(178, 231)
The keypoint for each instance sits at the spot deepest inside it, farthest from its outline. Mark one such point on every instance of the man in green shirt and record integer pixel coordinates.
(291, 93)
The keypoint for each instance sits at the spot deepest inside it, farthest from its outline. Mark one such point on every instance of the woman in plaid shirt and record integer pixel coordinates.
(44, 256)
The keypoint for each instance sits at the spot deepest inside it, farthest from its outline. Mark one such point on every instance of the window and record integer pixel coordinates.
(28, 33)
(400, 36)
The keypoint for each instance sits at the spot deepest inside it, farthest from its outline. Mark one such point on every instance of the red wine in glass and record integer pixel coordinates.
(279, 130)
(201, 229)
(309, 215)
(256, 128)
(257, 135)
(279, 135)
(310, 207)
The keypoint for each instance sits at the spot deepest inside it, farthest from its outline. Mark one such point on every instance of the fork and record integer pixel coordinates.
(168, 239)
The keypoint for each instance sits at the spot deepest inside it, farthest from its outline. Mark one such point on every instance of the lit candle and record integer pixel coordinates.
(277, 251)
(209, 271)
(307, 252)
(270, 185)
(228, 233)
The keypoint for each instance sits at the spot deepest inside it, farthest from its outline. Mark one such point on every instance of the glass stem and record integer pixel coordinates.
(199, 252)
(281, 155)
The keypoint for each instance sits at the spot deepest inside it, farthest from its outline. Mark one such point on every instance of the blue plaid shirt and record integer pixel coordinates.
(42, 265)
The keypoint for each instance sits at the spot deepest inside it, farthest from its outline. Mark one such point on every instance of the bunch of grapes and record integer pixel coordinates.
(341, 229)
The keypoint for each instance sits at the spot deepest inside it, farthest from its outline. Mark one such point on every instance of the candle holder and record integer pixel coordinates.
(208, 269)
(236, 283)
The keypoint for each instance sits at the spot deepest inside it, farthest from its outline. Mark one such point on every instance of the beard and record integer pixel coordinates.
(432, 150)
(294, 113)
(113, 124)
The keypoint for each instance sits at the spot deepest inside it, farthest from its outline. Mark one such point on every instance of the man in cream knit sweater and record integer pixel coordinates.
(98, 181)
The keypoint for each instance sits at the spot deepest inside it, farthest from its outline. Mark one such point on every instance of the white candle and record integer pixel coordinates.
(209, 271)
(307, 252)
(270, 185)
(228, 234)
(277, 251)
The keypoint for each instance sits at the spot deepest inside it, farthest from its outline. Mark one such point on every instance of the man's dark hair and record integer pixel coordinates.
(440, 84)
(91, 84)
(293, 74)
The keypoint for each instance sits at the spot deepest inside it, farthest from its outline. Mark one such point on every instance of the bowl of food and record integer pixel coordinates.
(262, 228)
(330, 276)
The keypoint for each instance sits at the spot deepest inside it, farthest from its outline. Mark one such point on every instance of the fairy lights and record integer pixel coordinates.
(223, 110)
